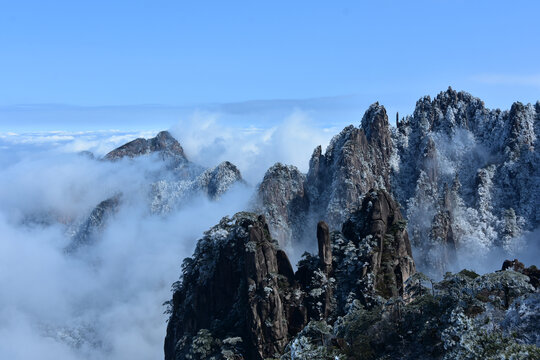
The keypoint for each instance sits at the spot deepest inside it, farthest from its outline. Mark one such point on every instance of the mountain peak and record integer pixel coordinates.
(163, 143)
(375, 120)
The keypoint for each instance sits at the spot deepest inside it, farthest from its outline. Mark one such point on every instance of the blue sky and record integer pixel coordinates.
(179, 55)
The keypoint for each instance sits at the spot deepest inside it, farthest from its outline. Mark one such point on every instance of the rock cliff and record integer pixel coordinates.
(240, 285)
(467, 177)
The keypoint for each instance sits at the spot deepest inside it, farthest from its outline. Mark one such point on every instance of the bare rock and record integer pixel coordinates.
(237, 284)
(164, 144)
(380, 225)
(284, 202)
(355, 161)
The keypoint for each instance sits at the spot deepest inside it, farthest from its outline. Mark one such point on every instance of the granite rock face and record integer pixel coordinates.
(356, 160)
(490, 161)
(284, 202)
(240, 285)
(467, 177)
(164, 144)
(389, 261)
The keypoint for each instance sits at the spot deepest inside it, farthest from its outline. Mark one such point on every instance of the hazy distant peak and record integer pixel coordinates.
(164, 143)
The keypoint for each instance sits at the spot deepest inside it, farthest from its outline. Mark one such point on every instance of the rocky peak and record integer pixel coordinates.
(284, 201)
(237, 285)
(379, 227)
(164, 144)
(356, 160)
(447, 110)
(377, 129)
(240, 284)
(215, 182)
(190, 180)
(454, 137)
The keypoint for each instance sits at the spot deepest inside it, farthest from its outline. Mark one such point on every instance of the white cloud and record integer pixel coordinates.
(208, 140)
(105, 302)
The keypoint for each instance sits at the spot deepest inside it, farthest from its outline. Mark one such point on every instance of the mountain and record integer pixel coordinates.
(174, 185)
(240, 298)
(164, 144)
(359, 298)
(474, 172)
(356, 161)
(467, 178)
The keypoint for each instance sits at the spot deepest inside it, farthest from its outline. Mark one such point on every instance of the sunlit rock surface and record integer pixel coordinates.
(467, 179)
(238, 269)
(164, 144)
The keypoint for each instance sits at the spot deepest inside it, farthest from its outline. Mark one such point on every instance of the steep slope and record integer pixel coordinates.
(164, 144)
(468, 176)
(468, 179)
(86, 232)
(239, 297)
(355, 161)
(174, 185)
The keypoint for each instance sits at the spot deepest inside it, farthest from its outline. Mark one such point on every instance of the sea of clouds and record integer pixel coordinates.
(105, 300)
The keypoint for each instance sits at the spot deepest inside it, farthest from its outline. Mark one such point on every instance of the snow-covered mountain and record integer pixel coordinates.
(170, 186)
(467, 178)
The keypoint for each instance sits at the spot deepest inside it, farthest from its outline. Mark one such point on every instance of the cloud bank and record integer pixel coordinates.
(105, 301)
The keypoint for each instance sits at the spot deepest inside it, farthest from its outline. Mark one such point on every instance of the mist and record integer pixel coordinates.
(105, 300)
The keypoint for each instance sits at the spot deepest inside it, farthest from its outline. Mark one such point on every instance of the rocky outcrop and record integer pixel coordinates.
(283, 199)
(215, 182)
(238, 285)
(373, 256)
(87, 232)
(356, 160)
(238, 269)
(164, 144)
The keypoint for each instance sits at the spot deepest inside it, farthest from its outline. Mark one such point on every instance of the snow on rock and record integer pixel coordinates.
(491, 154)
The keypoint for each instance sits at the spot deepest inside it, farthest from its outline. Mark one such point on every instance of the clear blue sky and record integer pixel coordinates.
(175, 53)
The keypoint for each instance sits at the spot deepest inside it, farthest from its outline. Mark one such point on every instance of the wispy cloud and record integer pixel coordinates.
(508, 79)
